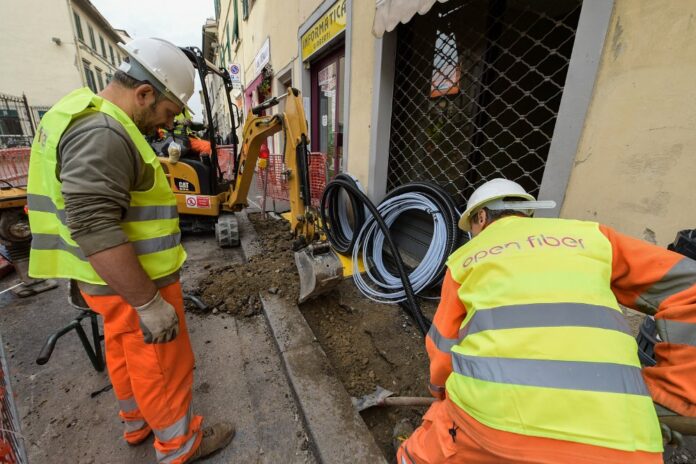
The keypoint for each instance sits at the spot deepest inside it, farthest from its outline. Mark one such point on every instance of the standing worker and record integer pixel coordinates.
(102, 213)
(529, 351)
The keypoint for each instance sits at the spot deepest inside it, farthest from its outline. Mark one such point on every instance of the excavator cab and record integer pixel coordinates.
(199, 182)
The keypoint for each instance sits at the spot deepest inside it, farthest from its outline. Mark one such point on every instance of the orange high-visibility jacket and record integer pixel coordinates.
(639, 275)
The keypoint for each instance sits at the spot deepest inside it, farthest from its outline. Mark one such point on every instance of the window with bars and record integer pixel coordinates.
(78, 26)
(477, 88)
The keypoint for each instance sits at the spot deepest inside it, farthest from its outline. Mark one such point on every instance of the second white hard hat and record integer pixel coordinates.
(492, 195)
(162, 64)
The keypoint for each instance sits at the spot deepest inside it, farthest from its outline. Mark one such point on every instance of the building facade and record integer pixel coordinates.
(51, 48)
(581, 101)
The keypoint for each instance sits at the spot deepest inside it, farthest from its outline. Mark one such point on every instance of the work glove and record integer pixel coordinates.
(158, 320)
(174, 152)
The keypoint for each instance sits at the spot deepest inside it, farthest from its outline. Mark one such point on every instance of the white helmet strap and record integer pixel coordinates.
(523, 206)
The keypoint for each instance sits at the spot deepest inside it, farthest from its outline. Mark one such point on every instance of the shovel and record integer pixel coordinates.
(319, 268)
(383, 397)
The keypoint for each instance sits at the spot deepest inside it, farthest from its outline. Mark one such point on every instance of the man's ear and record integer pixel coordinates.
(481, 217)
(144, 95)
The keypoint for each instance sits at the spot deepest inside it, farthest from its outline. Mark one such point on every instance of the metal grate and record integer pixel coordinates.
(16, 122)
(12, 447)
(477, 88)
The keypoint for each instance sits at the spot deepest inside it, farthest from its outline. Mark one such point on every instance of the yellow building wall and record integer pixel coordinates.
(280, 20)
(636, 161)
(361, 81)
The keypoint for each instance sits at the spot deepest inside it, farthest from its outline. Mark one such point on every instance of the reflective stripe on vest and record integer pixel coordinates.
(544, 349)
(150, 222)
(134, 213)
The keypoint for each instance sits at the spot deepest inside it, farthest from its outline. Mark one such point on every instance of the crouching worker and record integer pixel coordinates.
(529, 351)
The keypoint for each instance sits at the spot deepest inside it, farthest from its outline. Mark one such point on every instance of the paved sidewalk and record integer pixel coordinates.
(238, 377)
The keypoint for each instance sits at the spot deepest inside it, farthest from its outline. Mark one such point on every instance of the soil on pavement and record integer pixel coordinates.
(234, 288)
(368, 344)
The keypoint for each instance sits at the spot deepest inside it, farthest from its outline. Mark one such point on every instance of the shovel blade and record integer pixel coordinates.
(373, 399)
(320, 270)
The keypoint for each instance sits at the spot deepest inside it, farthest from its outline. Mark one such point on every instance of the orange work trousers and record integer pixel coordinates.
(152, 382)
(449, 435)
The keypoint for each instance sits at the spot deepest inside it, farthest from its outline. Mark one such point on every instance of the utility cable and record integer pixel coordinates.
(331, 191)
(334, 215)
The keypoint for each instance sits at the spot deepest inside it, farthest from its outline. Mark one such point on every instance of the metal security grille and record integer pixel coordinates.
(16, 122)
(477, 88)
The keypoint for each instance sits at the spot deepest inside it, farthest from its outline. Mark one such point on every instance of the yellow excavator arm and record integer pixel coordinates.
(292, 121)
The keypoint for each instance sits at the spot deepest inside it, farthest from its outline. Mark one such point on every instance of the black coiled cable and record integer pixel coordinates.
(446, 206)
(331, 193)
(330, 214)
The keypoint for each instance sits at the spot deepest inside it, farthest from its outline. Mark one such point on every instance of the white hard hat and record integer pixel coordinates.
(162, 64)
(492, 195)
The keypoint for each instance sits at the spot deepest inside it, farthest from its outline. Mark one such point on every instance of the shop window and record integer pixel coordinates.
(327, 109)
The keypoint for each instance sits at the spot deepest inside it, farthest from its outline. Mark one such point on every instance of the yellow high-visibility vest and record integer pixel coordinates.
(151, 222)
(544, 349)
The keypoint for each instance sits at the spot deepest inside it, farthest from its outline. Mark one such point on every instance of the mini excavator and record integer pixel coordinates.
(206, 199)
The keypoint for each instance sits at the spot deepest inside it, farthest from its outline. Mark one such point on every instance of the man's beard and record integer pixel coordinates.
(144, 120)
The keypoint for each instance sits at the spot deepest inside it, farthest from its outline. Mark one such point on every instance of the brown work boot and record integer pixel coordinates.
(214, 438)
(402, 430)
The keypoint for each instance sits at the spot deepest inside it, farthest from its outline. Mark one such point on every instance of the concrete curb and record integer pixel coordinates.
(338, 433)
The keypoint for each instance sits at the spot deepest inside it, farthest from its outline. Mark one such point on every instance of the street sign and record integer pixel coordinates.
(236, 73)
(262, 57)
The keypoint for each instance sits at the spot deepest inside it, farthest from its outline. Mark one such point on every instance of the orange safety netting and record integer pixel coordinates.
(14, 165)
(277, 187)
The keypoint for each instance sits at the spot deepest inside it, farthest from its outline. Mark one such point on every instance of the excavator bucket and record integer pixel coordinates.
(320, 270)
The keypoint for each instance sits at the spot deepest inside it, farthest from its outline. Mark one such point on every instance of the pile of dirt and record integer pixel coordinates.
(234, 289)
(372, 344)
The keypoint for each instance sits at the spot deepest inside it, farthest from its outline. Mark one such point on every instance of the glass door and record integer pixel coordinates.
(327, 109)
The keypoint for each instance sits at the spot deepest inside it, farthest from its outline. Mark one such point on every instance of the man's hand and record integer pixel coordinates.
(158, 320)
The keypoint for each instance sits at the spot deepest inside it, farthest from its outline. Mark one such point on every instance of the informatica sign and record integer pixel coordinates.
(332, 23)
